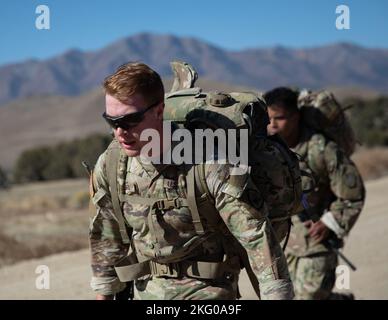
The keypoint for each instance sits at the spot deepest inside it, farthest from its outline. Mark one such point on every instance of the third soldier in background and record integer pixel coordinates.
(335, 201)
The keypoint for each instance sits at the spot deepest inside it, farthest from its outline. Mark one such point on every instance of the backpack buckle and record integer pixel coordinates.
(171, 270)
(166, 204)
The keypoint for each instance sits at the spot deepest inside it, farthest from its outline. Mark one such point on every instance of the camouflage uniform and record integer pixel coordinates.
(173, 230)
(337, 199)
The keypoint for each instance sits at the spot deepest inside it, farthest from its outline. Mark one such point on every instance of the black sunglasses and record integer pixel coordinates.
(129, 120)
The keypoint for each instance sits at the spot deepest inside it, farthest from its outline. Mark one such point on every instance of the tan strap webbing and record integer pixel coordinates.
(112, 159)
(130, 272)
(192, 201)
(137, 199)
(162, 204)
(200, 179)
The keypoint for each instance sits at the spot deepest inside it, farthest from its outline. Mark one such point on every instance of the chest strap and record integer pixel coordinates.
(162, 204)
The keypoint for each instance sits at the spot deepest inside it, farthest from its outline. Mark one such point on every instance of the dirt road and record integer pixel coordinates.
(70, 273)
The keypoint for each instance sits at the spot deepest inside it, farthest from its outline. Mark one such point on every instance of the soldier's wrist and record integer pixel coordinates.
(106, 286)
(279, 289)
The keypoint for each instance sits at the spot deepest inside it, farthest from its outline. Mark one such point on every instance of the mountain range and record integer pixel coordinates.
(76, 72)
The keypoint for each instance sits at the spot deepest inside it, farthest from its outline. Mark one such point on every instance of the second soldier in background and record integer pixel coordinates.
(335, 201)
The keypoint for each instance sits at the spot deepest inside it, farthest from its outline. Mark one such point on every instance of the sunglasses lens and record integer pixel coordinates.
(135, 118)
(111, 122)
(125, 123)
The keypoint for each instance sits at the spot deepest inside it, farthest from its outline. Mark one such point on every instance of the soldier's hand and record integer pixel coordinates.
(103, 297)
(318, 231)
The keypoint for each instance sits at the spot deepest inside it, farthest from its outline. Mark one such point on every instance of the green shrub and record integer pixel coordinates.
(61, 161)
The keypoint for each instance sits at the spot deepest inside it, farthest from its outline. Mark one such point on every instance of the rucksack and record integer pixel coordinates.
(274, 167)
(321, 111)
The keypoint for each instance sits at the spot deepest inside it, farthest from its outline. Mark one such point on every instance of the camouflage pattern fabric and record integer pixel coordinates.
(185, 289)
(313, 276)
(172, 229)
(338, 193)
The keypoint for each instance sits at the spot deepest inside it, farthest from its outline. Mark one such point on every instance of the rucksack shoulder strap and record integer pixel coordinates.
(205, 201)
(192, 200)
(112, 160)
(200, 201)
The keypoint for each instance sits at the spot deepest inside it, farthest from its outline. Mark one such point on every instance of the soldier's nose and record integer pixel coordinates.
(272, 125)
(121, 132)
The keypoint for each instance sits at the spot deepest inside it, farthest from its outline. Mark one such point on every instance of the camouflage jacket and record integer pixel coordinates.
(248, 224)
(337, 197)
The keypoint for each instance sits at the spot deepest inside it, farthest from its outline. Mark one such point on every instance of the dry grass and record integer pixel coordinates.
(39, 197)
(39, 219)
(34, 236)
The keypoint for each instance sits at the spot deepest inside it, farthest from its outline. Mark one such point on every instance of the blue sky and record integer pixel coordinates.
(237, 24)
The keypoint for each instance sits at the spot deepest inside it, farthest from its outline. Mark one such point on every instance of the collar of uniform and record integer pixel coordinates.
(154, 168)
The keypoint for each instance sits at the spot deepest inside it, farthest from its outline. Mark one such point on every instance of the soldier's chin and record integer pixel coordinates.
(131, 150)
(272, 132)
(132, 153)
